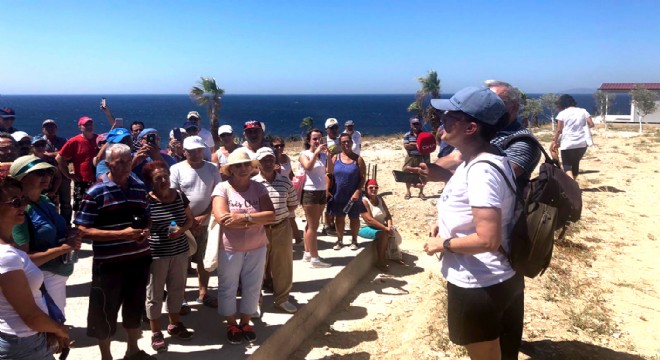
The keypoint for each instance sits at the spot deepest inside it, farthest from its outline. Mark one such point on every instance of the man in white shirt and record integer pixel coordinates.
(349, 128)
(197, 178)
(205, 134)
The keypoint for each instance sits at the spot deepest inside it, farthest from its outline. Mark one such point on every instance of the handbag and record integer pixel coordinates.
(212, 245)
(192, 243)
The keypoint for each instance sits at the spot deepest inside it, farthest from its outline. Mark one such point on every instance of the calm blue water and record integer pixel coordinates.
(373, 114)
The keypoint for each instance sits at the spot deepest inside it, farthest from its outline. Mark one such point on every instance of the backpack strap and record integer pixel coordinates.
(505, 144)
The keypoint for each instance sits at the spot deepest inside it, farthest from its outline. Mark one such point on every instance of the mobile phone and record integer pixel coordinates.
(176, 132)
(119, 123)
(151, 139)
(406, 177)
(103, 102)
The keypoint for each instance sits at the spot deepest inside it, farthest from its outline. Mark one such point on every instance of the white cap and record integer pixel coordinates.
(20, 135)
(172, 132)
(193, 142)
(225, 129)
(265, 151)
(193, 113)
(331, 122)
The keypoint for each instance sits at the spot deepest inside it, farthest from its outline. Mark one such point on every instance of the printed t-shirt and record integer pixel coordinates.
(80, 151)
(12, 259)
(242, 239)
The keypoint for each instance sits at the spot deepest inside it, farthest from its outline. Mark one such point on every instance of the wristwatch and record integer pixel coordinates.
(447, 245)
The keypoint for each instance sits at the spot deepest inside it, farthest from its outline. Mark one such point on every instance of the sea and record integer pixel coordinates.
(282, 114)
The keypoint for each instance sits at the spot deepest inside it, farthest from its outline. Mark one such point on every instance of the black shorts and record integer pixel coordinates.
(485, 314)
(121, 284)
(570, 159)
(314, 197)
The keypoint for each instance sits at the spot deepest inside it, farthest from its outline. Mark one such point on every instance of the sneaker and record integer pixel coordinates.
(248, 333)
(178, 330)
(338, 245)
(185, 309)
(158, 342)
(354, 245)
(307, 257)
(318, 263)
(287, 307)
(234, 334)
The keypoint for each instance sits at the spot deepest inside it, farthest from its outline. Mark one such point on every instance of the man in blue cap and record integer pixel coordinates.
(7, 118)
(149, 151)
(114, 136)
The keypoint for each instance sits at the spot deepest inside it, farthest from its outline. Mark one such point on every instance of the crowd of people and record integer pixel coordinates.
(147, 212)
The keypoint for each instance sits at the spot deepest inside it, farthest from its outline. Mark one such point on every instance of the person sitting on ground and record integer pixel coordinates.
(413, 156)
(379, 226)
(45, 234)
(169, 253)
(242, 207)
(25, 321)
(226, 134)
(349, 172)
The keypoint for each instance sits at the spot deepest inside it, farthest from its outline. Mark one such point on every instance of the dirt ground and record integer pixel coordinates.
(600, 298)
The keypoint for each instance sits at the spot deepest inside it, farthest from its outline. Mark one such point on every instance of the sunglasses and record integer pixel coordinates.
(17, 203)
(241, 164)
(279, 146)
(373, 188)
(336, 127)
(226, 134)
(42, 172)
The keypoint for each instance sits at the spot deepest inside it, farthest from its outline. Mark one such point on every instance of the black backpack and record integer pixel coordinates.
(548, 203)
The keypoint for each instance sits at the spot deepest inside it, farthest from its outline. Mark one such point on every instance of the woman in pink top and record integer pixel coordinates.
(242, 207)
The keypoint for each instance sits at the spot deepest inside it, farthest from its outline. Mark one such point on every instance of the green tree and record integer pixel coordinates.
(645, 103)
(430, 90)
(306, 124)
(208, 94)
(548, 101)
(603, 101)
(531, 111)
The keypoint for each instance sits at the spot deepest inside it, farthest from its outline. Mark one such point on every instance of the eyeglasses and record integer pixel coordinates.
(279, 146)
(17, 203)
(42, 172)
(448, 115)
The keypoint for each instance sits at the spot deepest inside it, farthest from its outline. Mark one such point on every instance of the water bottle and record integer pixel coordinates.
(72, 256)
(348, 207)
(172, 228)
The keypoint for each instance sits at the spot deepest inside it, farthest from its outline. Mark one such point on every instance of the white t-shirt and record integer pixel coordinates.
(315, 179)
(14, 259)
(357, 141)
(197, 184)
(222, 159)
(481, 186)
(573, 135)
(207, 137)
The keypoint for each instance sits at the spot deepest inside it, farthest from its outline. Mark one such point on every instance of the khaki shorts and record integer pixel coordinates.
(201, 235)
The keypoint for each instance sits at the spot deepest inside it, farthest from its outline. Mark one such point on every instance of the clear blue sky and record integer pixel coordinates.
(329, 47)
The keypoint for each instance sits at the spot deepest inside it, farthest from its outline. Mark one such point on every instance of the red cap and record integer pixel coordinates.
(252, 124)
(371, 182)
(426, 143)
(84, 120)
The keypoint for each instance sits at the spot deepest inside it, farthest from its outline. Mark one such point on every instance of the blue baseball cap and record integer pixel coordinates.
(147, 131)
(480, 103)
(116, 135)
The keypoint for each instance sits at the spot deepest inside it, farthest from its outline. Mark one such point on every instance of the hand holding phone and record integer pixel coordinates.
(151, 139)
(176, 132)
(103, 104)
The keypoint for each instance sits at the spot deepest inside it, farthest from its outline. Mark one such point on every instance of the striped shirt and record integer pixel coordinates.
(408, 138)
(106, 206)
(161, 217)
(522, 151)
(281, 193)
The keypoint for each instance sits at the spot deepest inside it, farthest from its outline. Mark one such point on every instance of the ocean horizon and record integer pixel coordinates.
(376, 114)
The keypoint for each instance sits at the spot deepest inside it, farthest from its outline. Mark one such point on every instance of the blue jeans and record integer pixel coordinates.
(247, 266)
(32, 347)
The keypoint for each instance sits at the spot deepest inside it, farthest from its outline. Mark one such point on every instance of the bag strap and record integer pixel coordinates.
(548, 159)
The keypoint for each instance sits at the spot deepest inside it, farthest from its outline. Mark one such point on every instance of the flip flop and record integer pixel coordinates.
(407, 196)
(422, 196)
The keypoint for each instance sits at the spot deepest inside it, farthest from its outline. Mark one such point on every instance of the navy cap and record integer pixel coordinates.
(7, 113)
(480, 103)
(190, 124)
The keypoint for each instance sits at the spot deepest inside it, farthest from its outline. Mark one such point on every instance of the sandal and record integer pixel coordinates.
(209, 301)
(422, 196)
(407, 196)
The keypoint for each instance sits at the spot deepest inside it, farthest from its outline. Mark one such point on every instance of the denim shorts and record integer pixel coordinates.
(33, 347)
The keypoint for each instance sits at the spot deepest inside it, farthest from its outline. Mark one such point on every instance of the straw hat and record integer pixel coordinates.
(27, 164)
(237, 157)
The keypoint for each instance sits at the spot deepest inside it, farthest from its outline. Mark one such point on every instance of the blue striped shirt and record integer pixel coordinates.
(106, 206)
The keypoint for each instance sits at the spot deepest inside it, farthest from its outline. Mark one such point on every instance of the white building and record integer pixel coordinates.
(633, 117)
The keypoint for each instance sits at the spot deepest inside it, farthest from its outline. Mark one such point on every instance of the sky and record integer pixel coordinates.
(323, 47)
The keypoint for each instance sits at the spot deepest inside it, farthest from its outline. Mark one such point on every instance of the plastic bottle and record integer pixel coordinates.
(172, 228)
(72, 256)
(348, 207)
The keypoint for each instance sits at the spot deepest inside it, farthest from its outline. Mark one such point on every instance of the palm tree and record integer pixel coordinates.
(430, 90)
(207, 93)
(306, 124)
